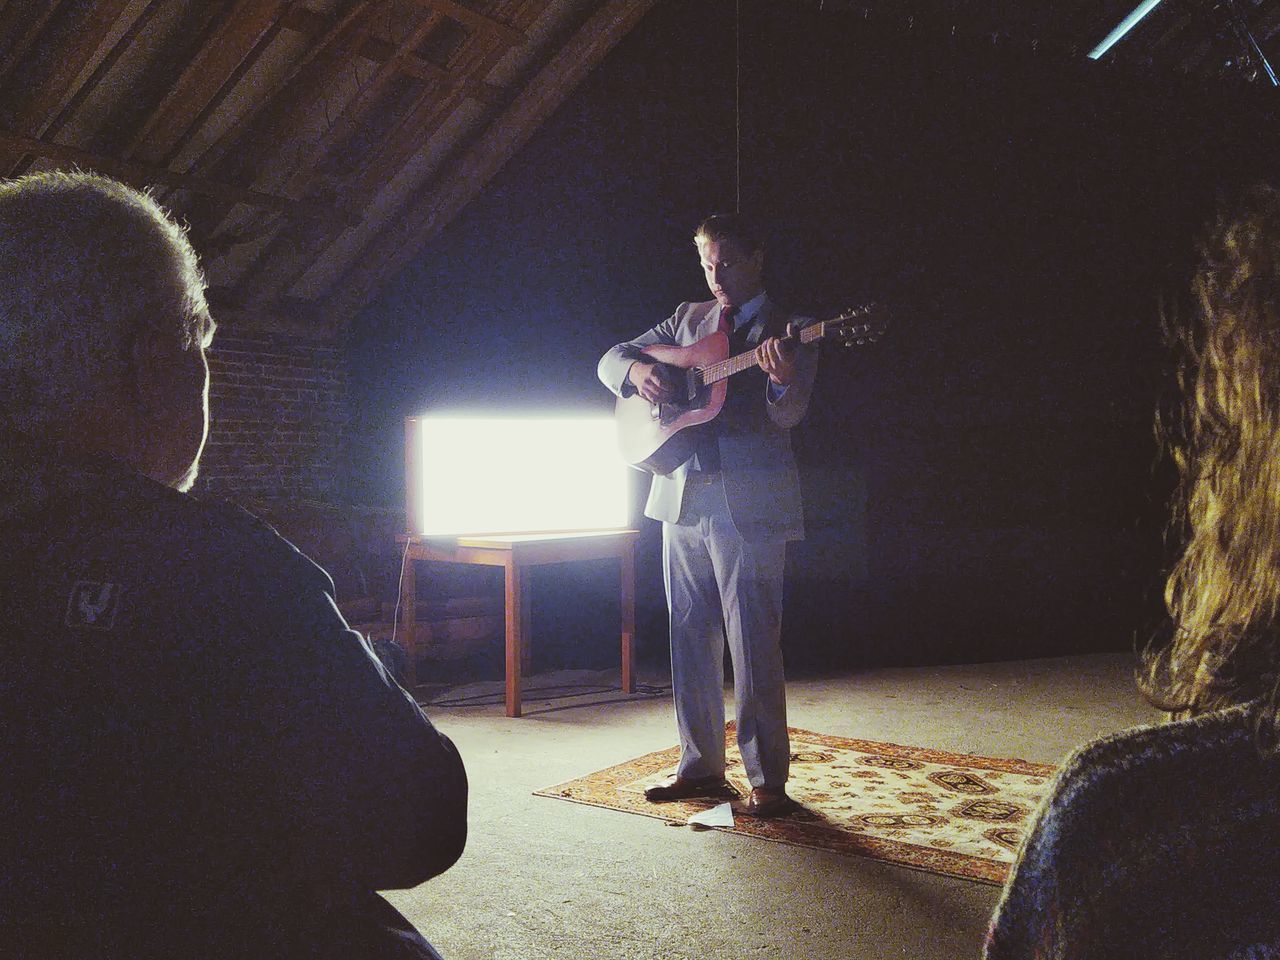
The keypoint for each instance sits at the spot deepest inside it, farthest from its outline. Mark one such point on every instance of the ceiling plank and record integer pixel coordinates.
(271, 273)
(424, 116)
(354, 112)
(206, 79)
(253, 144)
(441, 199)
(35, 115)
(477, 21)
(295, 93)
(305, 21)
(293, 253)
(139, 26)
(72, 58)
(34, 26)
(143, 175)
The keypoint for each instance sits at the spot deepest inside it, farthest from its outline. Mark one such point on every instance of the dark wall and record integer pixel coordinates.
(982, 483)
(278, 408)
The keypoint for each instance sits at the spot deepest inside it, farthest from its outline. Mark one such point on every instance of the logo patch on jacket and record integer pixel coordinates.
(93, 605)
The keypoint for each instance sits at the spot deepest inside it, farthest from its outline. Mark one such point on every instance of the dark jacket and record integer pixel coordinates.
(1157, 842)
(198, 754)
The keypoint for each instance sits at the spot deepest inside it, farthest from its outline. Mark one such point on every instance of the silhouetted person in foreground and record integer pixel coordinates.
(199, 758)
(1164, 842)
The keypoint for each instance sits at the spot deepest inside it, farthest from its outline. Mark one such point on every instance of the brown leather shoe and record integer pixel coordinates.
(769, 802)
(686, 788)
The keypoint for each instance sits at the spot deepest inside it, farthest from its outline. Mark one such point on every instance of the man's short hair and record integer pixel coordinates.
(85, 263)
(737, 228)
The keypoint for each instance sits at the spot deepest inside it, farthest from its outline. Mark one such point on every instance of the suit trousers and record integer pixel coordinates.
(720, 587)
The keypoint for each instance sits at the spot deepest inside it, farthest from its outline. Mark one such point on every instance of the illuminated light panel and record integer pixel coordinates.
(489, 475)
(1127, 24)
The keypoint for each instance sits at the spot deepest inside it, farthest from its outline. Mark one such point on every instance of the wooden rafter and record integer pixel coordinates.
(32, 28)
(477, 21)
(356, 109)
(433, 107)
(206, 79)
(35, 115)
(441, 199)
(293, 254)
(69, 109)
(296, 92)
(423, 118)
(36, 110)
(308, 22)
(144, 175)
(270, 274)
(265, 175)
(251, 145)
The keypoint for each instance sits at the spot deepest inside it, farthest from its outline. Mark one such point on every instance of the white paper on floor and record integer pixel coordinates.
(721, 816)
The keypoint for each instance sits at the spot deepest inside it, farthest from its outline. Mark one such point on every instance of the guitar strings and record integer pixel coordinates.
(743, 361)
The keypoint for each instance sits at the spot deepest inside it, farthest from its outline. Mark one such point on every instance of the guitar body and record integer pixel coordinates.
(660, 437)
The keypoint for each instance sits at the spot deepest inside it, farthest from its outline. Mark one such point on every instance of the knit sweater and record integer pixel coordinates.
(1158, 842)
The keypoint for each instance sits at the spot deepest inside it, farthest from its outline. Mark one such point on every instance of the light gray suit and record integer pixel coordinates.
(724, 537)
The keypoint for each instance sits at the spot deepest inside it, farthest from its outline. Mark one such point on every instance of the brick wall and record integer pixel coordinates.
(278, 414)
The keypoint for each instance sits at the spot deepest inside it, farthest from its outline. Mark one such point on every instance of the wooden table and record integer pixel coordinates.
(516, 554)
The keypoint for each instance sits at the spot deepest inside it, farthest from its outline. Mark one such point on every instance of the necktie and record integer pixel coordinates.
(726, 319)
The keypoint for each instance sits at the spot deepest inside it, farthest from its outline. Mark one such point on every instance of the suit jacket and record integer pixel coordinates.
(753, 433)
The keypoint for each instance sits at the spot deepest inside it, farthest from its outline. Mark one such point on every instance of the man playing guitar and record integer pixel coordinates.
(728, 509)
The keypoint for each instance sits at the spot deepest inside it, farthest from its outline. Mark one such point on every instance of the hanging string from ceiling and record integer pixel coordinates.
(737, 105)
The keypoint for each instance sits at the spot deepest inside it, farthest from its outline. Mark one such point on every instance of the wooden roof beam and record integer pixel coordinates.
(274, 274)
(143, 175)
(273, 106)
(247, 146)
(36, 111)
(311, 24)
(429, 110)
(36, 115)
(477, 21)
(356, 109)
(26, 39)
(439, 201)
(377, 50)
(269, 276)
(207, 79)
(424, 117)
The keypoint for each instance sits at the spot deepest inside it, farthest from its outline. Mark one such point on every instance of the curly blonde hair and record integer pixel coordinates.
(1223, 593)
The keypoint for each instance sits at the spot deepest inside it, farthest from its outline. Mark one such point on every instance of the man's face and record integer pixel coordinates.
(734, 274)
(183, 422)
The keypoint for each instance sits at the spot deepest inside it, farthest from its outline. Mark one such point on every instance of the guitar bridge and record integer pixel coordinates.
(693, 388)
(693, 396)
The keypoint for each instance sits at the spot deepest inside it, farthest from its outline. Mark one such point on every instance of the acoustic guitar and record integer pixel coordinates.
(658, 437)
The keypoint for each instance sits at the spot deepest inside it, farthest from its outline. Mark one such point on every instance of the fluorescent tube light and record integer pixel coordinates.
(1127, 24)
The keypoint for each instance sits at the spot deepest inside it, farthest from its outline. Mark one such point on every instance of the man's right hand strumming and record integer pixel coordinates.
(652, 382)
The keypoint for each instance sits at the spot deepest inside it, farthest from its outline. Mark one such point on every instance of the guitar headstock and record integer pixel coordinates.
(858, 325)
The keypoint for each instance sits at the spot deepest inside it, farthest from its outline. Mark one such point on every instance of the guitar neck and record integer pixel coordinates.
(715, 372)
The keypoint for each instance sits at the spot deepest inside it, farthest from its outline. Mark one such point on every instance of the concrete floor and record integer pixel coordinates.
(547, 878)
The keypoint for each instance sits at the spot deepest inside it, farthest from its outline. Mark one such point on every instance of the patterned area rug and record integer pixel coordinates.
(947, 813)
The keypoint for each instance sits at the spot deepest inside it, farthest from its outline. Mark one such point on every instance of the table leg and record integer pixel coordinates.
(409, 618)
(516, 617)
(628, 564)
(526, 632)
